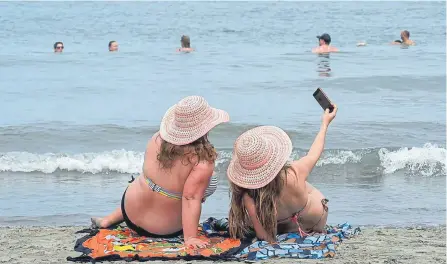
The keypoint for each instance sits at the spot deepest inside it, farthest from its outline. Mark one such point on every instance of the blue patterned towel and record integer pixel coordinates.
(292, 245)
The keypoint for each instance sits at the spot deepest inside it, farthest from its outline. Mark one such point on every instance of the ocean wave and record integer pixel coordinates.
(121, 161)
(341, 157)
(427, 160)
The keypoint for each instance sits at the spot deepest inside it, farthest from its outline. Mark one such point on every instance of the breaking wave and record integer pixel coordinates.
(427, 160)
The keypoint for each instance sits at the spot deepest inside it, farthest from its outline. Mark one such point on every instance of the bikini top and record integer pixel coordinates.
(212, 186)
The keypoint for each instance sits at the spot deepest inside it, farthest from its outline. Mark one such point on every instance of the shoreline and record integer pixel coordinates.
(416, 244)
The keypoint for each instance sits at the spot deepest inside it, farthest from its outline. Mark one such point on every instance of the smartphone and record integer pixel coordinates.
(323, 100)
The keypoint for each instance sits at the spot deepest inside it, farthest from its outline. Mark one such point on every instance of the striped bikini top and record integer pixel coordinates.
(178, 196)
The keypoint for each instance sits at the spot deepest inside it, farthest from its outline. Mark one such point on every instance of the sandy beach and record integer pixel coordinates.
(374, 245)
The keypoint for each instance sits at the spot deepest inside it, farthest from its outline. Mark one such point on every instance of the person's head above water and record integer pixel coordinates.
(185, 41)
(404, 39)
(113, 45)
(324, 39)
(58, 46)
(404, 35)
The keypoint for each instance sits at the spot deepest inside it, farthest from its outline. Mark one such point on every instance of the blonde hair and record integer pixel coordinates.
(195, 152)
(265, 198)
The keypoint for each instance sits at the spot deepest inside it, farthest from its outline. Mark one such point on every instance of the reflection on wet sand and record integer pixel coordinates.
(323, 67)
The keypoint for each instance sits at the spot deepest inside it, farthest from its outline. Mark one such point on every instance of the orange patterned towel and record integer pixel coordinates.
(121, 243)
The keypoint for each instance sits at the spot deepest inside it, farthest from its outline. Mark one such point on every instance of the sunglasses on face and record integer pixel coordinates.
(60, 47)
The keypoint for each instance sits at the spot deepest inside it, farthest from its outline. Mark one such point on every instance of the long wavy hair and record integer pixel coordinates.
(265, 198)
(195, 152)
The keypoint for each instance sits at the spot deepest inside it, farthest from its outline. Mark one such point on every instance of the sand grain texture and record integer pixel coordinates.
(375, 245)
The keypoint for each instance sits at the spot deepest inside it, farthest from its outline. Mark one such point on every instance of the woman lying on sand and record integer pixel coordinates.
(178, 166)
(268, 193)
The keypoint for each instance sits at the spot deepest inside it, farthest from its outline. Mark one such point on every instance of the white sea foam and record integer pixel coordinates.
(117, 160)
(340, 157)
(427, 160)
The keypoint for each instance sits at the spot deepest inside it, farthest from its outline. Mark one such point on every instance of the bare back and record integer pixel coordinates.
(151, 210)
(300, 196)
(325, 49)
(409, 42)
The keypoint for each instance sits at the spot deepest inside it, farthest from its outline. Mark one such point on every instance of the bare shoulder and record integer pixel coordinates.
(155, 136)
(204, 168)
(198, 180)
(153, 141)
(296, 173)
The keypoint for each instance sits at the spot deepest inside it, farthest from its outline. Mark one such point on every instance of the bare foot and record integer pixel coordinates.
(96, 222)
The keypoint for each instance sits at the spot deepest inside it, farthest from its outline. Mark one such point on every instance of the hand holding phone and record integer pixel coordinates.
(328, 117)
(323, 100)
(330, 109)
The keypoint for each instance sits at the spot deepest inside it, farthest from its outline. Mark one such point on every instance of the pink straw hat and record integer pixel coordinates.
(259, 155)
(190, 119)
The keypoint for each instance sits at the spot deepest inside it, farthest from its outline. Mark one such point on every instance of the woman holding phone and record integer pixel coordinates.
(268, 193)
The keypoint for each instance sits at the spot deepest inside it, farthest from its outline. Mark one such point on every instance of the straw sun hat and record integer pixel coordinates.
(259, 155)
(189, 120)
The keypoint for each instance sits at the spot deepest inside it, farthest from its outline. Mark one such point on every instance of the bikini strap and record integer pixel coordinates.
(160, 190)
(131, 180)
(296, 218)
(325, 209)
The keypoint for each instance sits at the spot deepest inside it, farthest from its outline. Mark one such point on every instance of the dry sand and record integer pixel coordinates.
(375, 245)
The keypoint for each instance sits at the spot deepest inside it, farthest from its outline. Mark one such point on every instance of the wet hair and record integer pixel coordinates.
(398, 41)
(195, 152)
(57, 43)
(327, 42)
(406, 33)
(186, 41)
(111, 42)
(266, 199)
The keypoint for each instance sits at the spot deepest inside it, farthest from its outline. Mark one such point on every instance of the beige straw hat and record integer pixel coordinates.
(190, 119)
(259, 155)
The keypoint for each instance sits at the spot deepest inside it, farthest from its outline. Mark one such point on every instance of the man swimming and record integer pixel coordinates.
(405, 36)
(58, 47)
(185, 41)
(325, 44)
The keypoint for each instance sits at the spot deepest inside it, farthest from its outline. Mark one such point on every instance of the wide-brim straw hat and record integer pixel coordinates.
(259, 155)
(189, 120)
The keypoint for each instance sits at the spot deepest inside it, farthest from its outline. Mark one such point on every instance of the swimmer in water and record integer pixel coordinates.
(113, 46)
(405, 39)
(325, 44)
(186, 44)
(58, 47)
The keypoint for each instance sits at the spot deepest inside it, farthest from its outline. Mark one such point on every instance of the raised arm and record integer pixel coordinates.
(249, 204)
(193, 193)
(308, 162)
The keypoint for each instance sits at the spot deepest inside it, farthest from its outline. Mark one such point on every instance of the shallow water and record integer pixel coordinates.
(75, 124)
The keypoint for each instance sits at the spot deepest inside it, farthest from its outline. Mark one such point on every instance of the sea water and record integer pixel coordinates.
(74, 126)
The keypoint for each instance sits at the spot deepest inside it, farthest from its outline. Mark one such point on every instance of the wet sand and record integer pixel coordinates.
(373, 245)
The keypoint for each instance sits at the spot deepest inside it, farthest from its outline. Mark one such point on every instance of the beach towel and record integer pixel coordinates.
(121, 243)
(292, 245)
